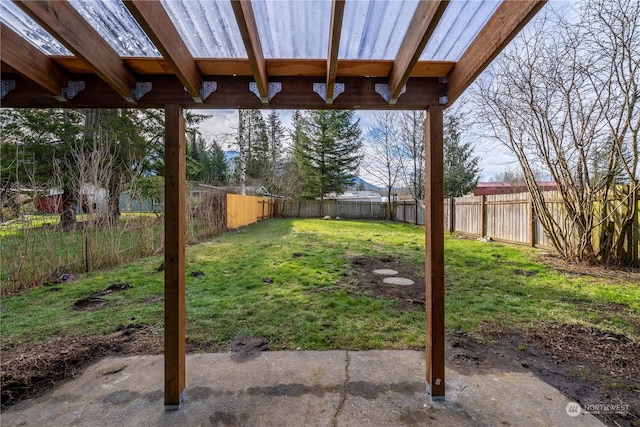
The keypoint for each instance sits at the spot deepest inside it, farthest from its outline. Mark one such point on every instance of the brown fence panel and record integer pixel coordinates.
(468, 216)
(288, 208)
(508, 217)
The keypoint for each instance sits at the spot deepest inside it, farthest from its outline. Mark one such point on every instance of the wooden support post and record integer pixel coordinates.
(174, 257)
(434, 250)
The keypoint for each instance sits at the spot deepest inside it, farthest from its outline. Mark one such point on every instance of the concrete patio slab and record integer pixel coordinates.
(304, 388)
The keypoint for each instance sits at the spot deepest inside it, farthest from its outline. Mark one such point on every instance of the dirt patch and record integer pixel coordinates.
(602, 271)
(364, 281)
(588, 365)
(27, 372)
(90, 303)
(116, 287)
(245, 348)
(94, 300)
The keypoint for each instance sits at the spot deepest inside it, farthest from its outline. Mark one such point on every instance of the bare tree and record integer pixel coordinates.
(411, 125)
(565, 100)
(382, 153)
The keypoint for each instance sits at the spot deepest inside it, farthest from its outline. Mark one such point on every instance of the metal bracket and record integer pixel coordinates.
(207, 89)
(179, 405)
(321, 89)
(140, 90)
(272, 90)
(7, 86)
(382, 89)
(443, 79)
(72, 89)
(443, 100)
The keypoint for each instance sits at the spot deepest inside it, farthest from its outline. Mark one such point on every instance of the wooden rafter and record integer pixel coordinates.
(64, 23)
(155, 21)
(337, 13)
(246, 20)
(422, 26)
(30, 62)
(502, 27)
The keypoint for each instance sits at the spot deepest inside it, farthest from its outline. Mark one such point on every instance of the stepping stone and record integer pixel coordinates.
(385, 271)
(398, 281)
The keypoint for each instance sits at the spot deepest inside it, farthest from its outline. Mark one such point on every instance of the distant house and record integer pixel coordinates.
(356, 196)
(491, 188)
(92, 198)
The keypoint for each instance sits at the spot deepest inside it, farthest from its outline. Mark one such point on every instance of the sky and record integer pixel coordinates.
(223, 125)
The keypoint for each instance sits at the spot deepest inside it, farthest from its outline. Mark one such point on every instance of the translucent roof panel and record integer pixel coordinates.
(208, 28)
(459, 25)
(116, 25)
(28, 29)
(374, 29)
(293, 28)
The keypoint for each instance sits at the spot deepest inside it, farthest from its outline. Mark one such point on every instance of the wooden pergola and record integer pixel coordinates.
(95, 75)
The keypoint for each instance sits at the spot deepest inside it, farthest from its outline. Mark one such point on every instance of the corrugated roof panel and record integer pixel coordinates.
(459, 25)
(374, 29)
(116, 25)
(208, 28)
(31, 31)
(293, 29)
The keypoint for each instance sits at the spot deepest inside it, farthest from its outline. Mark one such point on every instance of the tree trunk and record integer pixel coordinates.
(68, 210)
(113, 201)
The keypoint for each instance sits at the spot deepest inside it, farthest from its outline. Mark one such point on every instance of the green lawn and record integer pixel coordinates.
(309, 304)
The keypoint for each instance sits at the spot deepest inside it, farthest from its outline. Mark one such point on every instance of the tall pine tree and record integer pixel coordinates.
(460, 165)
(328, 151)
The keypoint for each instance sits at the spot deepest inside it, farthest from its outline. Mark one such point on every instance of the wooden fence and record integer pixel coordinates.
(288, 208)
(504, 217)
(245, 210)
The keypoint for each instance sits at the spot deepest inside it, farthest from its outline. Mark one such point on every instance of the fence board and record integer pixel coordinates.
(288, 208)
(245, 210)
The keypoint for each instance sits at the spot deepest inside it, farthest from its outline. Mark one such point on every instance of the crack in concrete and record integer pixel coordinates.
(344, 389)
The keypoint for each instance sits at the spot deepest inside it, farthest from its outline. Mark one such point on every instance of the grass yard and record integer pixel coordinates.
(308, 285)
(293, 282)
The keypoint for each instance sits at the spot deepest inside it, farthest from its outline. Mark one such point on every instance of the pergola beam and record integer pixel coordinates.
(337, 13)
(232, 92)
(30, 62)
(246, 20)
(502, 27)
(64, 23)
(157, 24)
(423, 24)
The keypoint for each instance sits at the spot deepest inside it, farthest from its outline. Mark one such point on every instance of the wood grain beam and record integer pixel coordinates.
(423, 24)
(30, 62)
(297, 93)
(510, 17)
(434, 250)
(246, 20)
(275, 67)
(64, 23)
(155, 21)
(337, 13)
(174, 257)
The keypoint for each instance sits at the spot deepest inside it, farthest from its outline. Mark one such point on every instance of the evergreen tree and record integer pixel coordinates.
(460, 166)
(327, 150)
(276, 135)
(35, 145)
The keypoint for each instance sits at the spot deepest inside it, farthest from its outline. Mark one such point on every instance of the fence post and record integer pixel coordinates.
(532, 223)
(416, 209)
(483, 227)
(452, 214)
